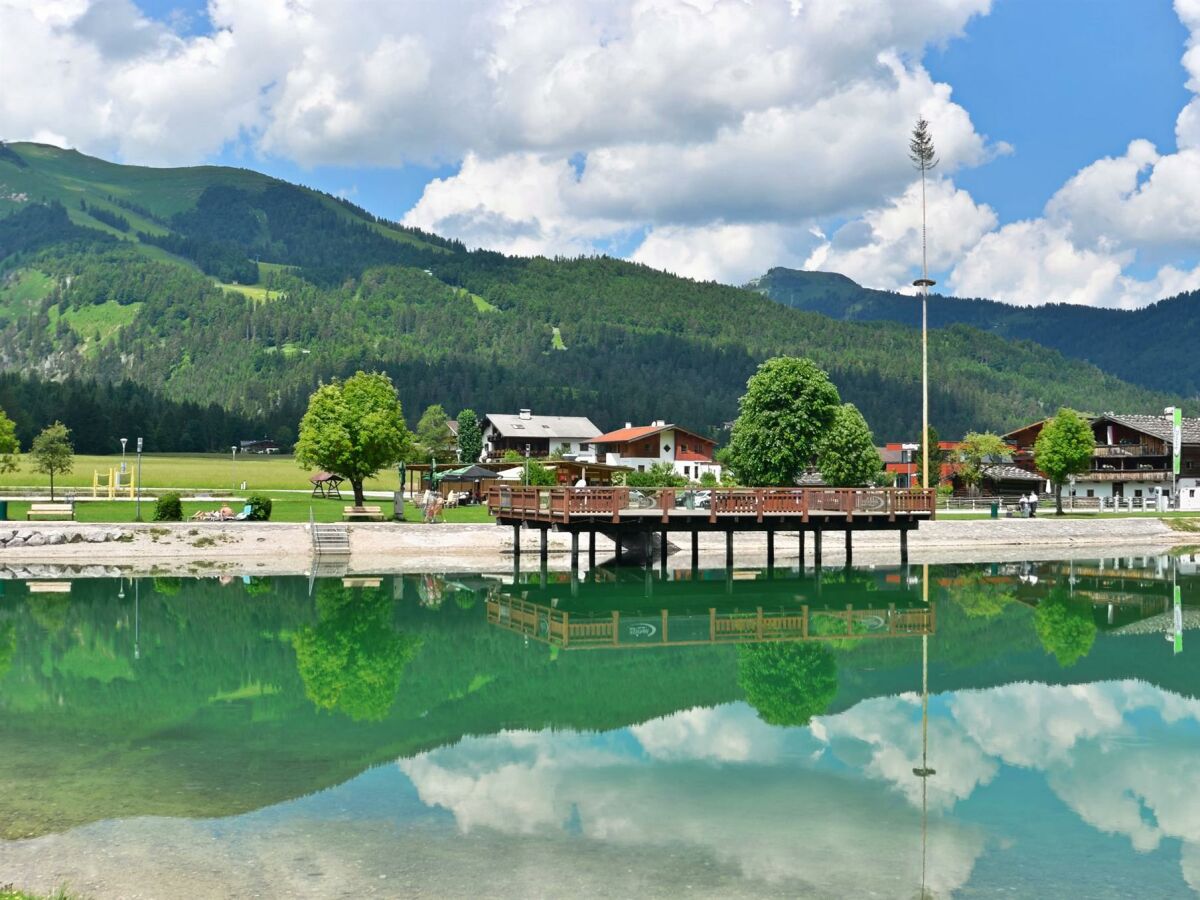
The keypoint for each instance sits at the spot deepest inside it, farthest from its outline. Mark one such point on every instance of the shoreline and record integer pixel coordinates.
(266, 548)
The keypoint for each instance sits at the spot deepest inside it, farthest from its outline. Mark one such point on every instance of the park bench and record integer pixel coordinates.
(369, 513)
(51, 511)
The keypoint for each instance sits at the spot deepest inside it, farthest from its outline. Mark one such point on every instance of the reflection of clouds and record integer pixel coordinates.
(725, 734)
(776, 818)
(890, 727)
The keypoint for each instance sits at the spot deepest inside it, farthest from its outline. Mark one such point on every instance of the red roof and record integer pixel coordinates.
(623, 435)
(692, 456)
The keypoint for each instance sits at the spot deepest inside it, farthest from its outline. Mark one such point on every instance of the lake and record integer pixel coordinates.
(1011, 729)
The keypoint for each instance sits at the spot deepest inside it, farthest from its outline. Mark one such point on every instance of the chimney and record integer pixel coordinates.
(526, 414)
(628, 424)
(658, 423)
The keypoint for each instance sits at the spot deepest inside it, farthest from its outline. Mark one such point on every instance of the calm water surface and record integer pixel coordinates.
(1012, 730)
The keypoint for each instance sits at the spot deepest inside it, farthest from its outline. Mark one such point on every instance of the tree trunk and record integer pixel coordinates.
(1058, 499)
(51, 487)
(358, 492)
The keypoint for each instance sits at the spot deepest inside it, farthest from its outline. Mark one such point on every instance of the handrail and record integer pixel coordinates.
(559, 504)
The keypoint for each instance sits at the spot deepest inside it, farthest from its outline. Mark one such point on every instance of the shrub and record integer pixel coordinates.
(260, 507)
(708, 479)
(168, 508)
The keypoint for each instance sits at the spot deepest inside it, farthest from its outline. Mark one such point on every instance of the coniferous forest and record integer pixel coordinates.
(208, 303)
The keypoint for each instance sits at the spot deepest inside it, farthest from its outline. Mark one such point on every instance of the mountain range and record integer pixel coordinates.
(218, 298)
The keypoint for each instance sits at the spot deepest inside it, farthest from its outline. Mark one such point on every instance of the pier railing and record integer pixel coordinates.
(675, 628)
(561, 504)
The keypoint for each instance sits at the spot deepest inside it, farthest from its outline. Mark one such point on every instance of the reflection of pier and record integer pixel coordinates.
(576, 631)
(633, 519)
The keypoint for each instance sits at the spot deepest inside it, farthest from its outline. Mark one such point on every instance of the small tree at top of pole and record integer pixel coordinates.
(924, 158)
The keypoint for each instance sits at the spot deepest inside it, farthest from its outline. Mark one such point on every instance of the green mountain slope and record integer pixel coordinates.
(220, 285)
(1154, 346)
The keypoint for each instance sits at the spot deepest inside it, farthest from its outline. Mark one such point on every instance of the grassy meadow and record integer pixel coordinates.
(283, 509)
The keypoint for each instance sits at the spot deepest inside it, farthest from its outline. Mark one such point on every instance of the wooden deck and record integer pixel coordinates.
(570, 631)
(689, 508)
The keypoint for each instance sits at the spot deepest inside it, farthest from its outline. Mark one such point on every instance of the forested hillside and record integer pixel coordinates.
(1154, 346)
(220, 285)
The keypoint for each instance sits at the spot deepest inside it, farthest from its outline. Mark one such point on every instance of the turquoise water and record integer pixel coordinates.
(416, 736)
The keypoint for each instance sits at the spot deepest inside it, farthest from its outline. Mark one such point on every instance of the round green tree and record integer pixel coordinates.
(354, 428)
(848, 454)
(787, 684)
(52, 452)
(434, 437)
(353, 659)
(9, 445)
(788, 406)
(1065, 627)
(1064, 448)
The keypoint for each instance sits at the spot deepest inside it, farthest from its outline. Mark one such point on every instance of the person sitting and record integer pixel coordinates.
(225, 512)
(1024, 504)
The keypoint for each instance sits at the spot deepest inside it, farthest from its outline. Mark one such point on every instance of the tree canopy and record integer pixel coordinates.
(1064, 448)
(354, 428)
(977, 455)
(52, 452)
(1065, 627)
(783, 417)
(787, 684)
(848, 456)
(470, 436)
(434, 437)
(9, 445)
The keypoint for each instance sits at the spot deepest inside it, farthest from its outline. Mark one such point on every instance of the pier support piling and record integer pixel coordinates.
(574, 551)
(904, 546)
(544, 548)
(517, 543)
(770, 551)
(729, 549)
(695, 550)
(591, 550)
(817, 548)
(849, 546)
(801, 539)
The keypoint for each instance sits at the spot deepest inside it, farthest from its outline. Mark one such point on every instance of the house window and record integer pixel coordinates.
(1137, 492)
(683, 448)
(641, 468)
(687, 471)
(583, 448)
(1091, 492)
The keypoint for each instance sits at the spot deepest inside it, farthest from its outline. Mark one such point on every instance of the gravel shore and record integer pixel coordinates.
(276, 548)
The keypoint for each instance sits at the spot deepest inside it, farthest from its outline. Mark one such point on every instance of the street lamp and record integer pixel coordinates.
(124, 441)
(138, 517)
(527, 465)
(1176, 414)
(233, 466)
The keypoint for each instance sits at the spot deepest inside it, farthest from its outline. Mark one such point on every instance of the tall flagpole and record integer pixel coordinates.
(922, 154)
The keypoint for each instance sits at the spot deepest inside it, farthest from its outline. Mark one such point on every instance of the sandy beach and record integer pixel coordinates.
(269, 548)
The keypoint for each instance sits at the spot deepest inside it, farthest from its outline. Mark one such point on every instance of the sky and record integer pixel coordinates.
(711, 138)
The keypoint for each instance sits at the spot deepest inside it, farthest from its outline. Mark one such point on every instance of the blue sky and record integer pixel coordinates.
(713, 138)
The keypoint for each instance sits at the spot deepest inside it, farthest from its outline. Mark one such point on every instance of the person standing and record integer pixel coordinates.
(1033, 502)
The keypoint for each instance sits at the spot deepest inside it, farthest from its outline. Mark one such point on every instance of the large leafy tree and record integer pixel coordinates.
(52, 452)
(352, 660)
(1065, 627)
(1064, 448)
(354, 428)
(788, 406)
(787, 684)
(434, 437)
(977, 455)
(848, 455)
(470, 436)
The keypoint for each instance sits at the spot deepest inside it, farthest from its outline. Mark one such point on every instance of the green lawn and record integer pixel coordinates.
(212, 471)
(290, 509)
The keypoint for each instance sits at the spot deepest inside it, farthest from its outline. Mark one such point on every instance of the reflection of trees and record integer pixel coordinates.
(787, 684)
(49, 611)
(980, 598)
(8, 646)
(1065, 627)
(353, 659)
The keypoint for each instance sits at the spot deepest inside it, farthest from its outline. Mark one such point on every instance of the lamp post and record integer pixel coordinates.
(233, 466)
(138, 516)
(124, 441)
(527, 465)
(1176, 414)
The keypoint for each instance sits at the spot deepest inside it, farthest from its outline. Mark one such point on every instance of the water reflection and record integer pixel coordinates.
(1036, 738)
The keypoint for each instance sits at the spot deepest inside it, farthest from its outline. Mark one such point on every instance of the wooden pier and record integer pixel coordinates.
(668, 627)
(632, 517)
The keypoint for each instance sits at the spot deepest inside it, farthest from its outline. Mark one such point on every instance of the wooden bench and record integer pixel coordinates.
(370, 513)
(51, 511)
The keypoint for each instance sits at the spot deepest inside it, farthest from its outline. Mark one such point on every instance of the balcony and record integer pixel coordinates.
(1126, 451)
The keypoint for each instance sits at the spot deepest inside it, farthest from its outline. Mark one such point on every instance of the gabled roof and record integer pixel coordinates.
(639, 432)
(1155, 426)
(553, 427)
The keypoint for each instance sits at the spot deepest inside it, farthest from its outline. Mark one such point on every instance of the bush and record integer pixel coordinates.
(260, 507)
(168, 508)
(661, 474)
(708, 479)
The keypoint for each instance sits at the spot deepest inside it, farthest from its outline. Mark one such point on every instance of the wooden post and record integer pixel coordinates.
(758, 623)
(712, 623)
(817, 547)
(849, 547)
(544, 549)
(903, 546)
(591, 550)
(664, 626)
(574, 551)
(695, 550)
(616, 626)
(770, 550)
(729, 549)
(801, 534)
(517, 543)
(566, 642)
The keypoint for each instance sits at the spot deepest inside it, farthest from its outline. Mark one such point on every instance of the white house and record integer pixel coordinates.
(573, 436)
(641, 447)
